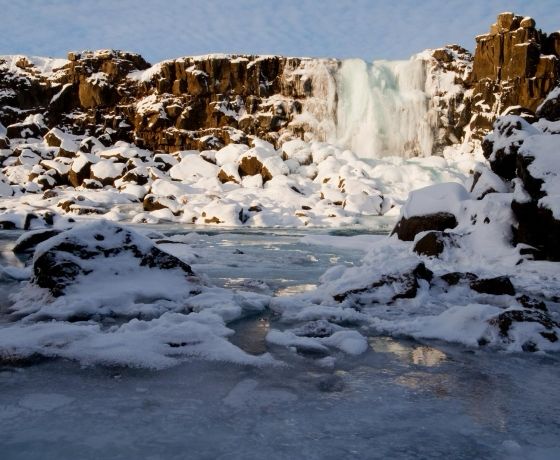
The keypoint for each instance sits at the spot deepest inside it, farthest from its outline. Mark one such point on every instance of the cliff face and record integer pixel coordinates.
(187, 103)
(209, 101)
(515, 67)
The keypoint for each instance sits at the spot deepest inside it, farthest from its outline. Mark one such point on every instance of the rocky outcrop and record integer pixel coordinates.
(526, 156)
(187, 103)
(206, 102)
(515, 67)
(95, 250)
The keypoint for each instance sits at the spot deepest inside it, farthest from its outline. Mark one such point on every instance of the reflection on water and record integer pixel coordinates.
(437, 384)
(427, 356)
(420, 355)
(250, 334)
(294, 289)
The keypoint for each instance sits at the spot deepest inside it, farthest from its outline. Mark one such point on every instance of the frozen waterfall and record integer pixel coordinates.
(376, 109)
(383, 109)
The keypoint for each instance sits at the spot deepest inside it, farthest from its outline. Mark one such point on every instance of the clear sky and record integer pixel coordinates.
(369, 29)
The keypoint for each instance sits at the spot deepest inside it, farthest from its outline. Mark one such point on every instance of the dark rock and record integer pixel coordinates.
(404, 285)
(7, 225)
(537, 227)
(505, 320)
(550, 109)
(501, 285)
(28, 241)
(138, 176)
(58, 266)
(431, 244)
(224, 177)
(250, 166)
(531, 303)
(407, 228)
(26, 129)
(320, 328)
(454, 278)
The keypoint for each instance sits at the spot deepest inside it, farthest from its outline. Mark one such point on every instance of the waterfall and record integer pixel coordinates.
(382, 109)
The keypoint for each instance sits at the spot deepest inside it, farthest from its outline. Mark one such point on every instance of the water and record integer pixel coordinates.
(383, 108)
(374, 109)
(400, 399)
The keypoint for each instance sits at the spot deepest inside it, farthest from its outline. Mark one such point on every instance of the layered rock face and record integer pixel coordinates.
(515, 67)
(187, 103)
(207, 102)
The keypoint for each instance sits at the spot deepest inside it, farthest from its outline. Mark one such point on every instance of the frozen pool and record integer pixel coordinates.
(400, 399)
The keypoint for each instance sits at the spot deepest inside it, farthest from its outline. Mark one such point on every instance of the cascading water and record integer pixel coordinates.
(375, 110)
(383, 109)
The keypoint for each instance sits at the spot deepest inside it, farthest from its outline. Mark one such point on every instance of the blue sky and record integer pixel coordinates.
(369, 29)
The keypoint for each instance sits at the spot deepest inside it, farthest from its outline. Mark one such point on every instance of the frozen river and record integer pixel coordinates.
(400, 399)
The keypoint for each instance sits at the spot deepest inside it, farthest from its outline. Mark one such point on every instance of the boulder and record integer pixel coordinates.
(407, 228)
(435, 207)
(504, 322)
(98, 249)
(500, 285)
(32, 127)
(550, 108)
(29, 240)
(81, 168)
(388, 288)
(431, 244)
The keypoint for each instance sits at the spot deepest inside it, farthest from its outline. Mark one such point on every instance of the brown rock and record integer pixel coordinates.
(527, 23)
(407, 229)
(431, 244)
(249, 166)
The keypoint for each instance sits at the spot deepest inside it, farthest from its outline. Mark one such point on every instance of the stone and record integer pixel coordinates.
(407, 228)
(70, 255)
(25, 130)
(550, 108)
(531, 303)
(28, 241)
(504, 321)
(250, 166)
(431, 244)
(454, 278)
(403, 286)
(537, 227)
(500, 285)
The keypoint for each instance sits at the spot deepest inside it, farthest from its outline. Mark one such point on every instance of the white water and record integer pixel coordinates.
(383, 109)
(375, 110)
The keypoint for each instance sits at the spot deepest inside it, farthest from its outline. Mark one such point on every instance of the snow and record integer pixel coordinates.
(545, 166)
(230, 153)
(146, 75)
(46, 66)
(107, 169)
(191, 167)
(445, 197)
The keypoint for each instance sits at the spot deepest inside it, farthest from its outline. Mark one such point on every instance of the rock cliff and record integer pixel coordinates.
(515, 66)
(207, 102)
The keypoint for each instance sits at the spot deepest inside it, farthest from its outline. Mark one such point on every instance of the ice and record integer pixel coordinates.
(448, 399)
(388, 402)
(44, 401)
(383, 108)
